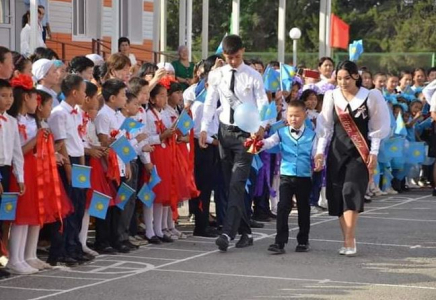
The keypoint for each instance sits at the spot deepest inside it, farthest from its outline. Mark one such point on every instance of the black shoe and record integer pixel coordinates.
(302, 248)
(165, 239)
(121, 248)
(261, 218)
(66, 261)
(206, 233)
(222, 242)
(4, 273)
(272, 216)
(277, 248)
(153, 240)
(82, 259)
(244, 241)
(105, 250)
(130, 245)
(254, 224)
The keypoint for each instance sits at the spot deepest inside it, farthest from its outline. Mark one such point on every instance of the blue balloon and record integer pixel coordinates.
(247, 117)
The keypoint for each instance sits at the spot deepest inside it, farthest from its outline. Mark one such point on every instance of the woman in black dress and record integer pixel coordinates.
(354, 120)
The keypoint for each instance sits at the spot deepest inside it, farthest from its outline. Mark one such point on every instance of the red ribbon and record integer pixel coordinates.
(113, 170)
(253, 145)
(74, 111)
(22, 130)
(3, 118)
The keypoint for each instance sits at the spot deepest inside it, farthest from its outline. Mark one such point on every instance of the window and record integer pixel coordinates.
(87, 16)
(131, 20)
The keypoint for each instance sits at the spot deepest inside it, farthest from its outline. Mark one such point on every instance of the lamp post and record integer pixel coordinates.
(295, 35)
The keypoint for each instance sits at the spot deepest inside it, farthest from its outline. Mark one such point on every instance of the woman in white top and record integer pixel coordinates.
(124, 48)
(26, 32)
(354, 120)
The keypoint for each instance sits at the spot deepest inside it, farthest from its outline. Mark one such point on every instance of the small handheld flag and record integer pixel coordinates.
(8, 207)
(287, 74)
(154, 178)
(130, 125)
(184, 123)
(355, 50)
(276, 126)
(401, 127)
(416, 153)
(269, 111)
(386, 179)
(219, 50)
(123, 149)
(99, 205)
(81, 176)
(257, 163)
(146, 195)
(123, 195)
(394, 147)
(201, 97)
(271, 80)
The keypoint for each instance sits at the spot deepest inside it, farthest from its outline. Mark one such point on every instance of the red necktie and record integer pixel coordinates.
(22, 131)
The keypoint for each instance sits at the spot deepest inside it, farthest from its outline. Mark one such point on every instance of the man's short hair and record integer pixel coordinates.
(232, 44)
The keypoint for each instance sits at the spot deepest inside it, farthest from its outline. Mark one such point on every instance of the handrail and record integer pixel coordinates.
(63, 44)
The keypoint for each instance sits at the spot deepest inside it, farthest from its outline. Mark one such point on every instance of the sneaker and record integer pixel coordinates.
(367, 198)
(391, 191)
(177, 235)
(142, 241)
(421, 183)
(314, 210)
(302, 248)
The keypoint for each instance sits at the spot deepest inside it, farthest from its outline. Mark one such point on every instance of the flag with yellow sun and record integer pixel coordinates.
(99, 205)
(8, 206)
(123, 195)
(81, 176)
(124, 150)
(146, 195)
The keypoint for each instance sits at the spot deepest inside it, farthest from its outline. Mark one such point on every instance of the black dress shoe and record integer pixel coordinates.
(4, 273)
(121, 248)
(165, 239)
(206, 233)
(153, 240)
(105, 250)
(130, 245)
(254, 224)
(222, 242)
(82, 259)
(67, 261)
(302, 248)
(261, 218)
(244, 241)
(277, 248)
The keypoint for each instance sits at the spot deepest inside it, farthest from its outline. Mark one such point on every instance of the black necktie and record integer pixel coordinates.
(232, 89)
(296, 131)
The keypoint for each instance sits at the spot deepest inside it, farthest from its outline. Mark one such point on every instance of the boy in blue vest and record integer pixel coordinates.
(296, 143)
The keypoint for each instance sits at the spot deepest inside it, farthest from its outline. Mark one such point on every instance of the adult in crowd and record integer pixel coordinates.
(183, 68)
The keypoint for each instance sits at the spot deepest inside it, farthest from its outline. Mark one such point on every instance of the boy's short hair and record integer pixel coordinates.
(130, 96)
(91, 89)
(80, 63)
(232, 44)
(5, 84)
(136, 84)
(297, 103)
(70, 83)
(112, 87)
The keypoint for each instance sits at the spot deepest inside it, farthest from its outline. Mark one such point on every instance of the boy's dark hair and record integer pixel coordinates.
(130, 96)
(91, 89)
(136, 84)
(112, 87)
(5, 84)
(378, 74)
(306, 94)
(80, 63)
(433, 69)
(416, 101)
(3, 52)
(274, 63)
(404, 73)
(175, 87)
(121, 40)
(70, 83)
(232, 44)
(297, 103)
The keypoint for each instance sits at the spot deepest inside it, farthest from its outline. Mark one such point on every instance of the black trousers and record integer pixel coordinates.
(300, 187)
(205, 171)
(73, 222)
(236, 165)
(5, 172)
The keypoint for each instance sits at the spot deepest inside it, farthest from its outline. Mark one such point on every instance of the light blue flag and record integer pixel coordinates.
(287, 74)
(394, 147)
(123, 195)
(401, 127)
(124, 150)
(184, 123)
(397, 163)
(276, 126)
(99, 205)
(271, 80)
(355, 50)
(8, 207)
(416, 153)
(269, 111)
(257, 163)
(376, 176)
(154, 178)
(219, 50)
(201, 96)
(130, 125)
(386, 179)
(146, 195)
(81, 176)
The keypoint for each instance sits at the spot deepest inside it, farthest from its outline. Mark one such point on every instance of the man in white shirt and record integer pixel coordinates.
(233, 84)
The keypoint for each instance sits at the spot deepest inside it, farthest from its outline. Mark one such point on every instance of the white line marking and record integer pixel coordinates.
(131, 256)
(28, 289)
(297, 279)
(372, 244)
(66, 277)
(397, 219)
(174, 249)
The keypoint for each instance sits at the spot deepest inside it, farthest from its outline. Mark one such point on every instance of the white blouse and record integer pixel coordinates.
(379, 117)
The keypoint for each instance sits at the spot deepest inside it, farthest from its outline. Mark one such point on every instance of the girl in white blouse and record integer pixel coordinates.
(354, 120)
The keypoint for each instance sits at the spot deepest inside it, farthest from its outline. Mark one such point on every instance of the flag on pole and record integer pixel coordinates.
(81, 176)
(146, 195)
(219, 50)
(271, 80)
(130, 125)
(401, 127)
(355, 50)
(416, 153)
(269, 111)
(184, 122)
(8, 207)
(99, 205)
(287, 74)
(123, 195)
(154, 178)
(123, 149)
(339, 33)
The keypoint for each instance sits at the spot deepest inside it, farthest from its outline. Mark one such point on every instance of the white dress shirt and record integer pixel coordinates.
(378, 114)
(151, 128)
(248, 89)
(197, 114)
(53, 94)
(10, 146)
(30, 126)
(25, 34)
(64, 124)
(430, 95)
(274, 140)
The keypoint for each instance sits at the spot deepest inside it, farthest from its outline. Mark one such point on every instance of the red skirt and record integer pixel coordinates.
(56, 209)
(30, 211)
(184, 176)
(162, 158)
(100, 183)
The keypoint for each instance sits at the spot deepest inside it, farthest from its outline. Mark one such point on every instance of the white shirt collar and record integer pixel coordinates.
(355, 103)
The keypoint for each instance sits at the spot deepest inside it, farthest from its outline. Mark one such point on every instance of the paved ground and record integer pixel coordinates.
(396, 260)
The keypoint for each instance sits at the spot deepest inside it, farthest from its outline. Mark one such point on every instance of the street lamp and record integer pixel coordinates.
(295, 35)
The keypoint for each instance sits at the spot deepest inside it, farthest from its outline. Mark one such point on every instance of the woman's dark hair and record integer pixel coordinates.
(352, 70)
(91, 89)
(19, 93)
(45, 97)
(79, 64)
(147, 68)
(306, 94)
(25, 19)
(19, 61)
(136, 84)
(42, 52)
(323, 59)
(121, 40)
(99, 73)
(210, 62)
(154, 92)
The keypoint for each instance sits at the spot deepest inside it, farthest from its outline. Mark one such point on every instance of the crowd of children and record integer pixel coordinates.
(54, 116)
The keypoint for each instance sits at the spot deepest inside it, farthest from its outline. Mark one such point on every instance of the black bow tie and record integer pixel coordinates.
(296, 131)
